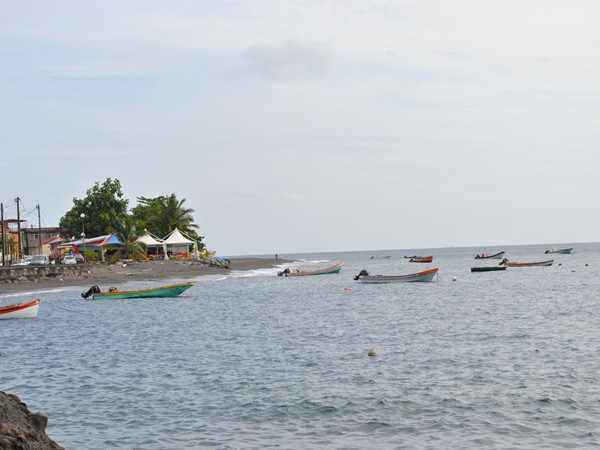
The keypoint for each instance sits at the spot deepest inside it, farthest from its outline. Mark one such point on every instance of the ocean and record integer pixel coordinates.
(251, 360)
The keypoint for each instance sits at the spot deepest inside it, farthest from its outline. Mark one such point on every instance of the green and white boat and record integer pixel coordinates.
(172, 290)
(564, 251)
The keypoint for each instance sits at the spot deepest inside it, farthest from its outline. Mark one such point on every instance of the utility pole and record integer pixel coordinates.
(18, 227)
(39, 229)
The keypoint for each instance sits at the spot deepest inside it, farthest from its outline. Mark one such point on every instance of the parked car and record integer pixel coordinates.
(79, 257)
(40, 260)
(69, 259)
(19, 262)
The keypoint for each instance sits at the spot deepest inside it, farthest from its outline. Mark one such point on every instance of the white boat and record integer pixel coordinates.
(426, 275)
(27, 310)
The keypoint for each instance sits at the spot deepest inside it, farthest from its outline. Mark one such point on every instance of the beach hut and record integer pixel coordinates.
(179, 245)
(152, 242)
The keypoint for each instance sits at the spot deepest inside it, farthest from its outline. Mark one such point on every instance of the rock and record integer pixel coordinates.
(373, 352)
(20, 429)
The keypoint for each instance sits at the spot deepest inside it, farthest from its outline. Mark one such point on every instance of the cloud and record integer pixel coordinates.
(287, 61)
(292, 196)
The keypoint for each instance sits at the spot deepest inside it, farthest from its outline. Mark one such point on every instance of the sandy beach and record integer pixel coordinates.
(106, 275)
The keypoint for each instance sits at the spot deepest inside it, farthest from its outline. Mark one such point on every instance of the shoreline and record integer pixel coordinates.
(119, 273)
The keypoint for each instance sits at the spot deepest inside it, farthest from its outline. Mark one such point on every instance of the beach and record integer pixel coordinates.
(106, 275)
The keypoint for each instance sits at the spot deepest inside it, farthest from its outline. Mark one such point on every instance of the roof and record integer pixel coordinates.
(175, 237)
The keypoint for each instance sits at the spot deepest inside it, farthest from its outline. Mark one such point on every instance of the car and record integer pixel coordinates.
(40, 260)
(79, 258)
(19, 262)
(69, 259)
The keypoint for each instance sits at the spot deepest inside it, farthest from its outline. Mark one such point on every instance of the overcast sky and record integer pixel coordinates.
(308, 126)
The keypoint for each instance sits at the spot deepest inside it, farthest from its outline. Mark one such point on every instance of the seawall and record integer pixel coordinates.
(34, 273)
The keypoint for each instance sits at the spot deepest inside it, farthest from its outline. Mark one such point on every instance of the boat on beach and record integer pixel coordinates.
(421, 259)
(172, 290)
(426, 275)
(563, 251)
(507, 263)
(488, 269)
(498, 255)
(298, 273)
(27, 310)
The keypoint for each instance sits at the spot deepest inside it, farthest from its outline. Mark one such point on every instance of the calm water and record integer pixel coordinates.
(492, 360)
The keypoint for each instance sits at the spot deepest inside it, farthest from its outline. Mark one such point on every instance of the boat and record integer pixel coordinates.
(365, 277)
(563, 251)
(507, 263)
(381, 257)
(498, 255)
(327, 270)
(27, 310)
(413, 257)
(172, 290)
(421, 259)
(487, 269)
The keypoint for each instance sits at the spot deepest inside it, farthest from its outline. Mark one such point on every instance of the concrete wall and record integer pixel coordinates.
(17, 273)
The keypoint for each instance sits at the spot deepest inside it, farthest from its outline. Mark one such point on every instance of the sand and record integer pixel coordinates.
(106, 275)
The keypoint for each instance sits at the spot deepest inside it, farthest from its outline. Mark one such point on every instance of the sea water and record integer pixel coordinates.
(505, 359)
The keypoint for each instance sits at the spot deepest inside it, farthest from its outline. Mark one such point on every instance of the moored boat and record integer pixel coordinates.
(498, 255)
(381, 257)
(487, 269)
(27, 310)
(563, 251)
(426, 275)
(300, 273)
(421, 259)
(506, 262)
(172, 290)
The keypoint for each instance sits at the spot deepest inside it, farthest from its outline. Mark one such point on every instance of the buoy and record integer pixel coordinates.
(454, 278)
(346, 288)
(373, 352)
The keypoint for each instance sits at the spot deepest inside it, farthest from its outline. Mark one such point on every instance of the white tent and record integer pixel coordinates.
(151, 241)
(178, 243)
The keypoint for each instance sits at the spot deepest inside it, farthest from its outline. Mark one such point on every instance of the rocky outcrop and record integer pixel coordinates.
(20, 429)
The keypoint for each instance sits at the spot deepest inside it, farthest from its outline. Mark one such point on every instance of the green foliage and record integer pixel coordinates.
(161, 215)
(103, 206)
(128, 229)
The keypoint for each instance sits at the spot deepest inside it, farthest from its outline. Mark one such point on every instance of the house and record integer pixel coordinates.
(36, 240)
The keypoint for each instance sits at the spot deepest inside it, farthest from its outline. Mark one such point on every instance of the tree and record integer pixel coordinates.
(161, 215)
(103, 207)
(128, 230)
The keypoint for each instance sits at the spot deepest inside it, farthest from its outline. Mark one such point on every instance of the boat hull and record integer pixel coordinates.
(426, 259)
(499, 255)
(172, 290)
(426, 275)
(325, 271)
(562, 251)
(27, 310)
(487, 269)
(529, 264)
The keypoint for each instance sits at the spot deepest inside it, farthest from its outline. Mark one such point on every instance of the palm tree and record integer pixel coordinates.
(126, 231)
(175, 215)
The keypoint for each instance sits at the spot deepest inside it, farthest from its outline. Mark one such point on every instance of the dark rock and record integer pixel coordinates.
(20, 429)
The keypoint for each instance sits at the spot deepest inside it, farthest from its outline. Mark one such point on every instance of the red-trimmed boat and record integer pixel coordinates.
(424, 259)
(506, 262)
(27, 310)
(327, 270)
(426, 275)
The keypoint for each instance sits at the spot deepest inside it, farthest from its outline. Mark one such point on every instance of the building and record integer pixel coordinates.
(36, 240)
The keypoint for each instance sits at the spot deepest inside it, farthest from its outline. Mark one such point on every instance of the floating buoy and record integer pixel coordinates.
(346, 288)
(454, 278)
(373, 352)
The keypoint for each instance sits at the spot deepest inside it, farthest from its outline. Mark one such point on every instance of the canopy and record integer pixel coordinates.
(151, 241)
(175, 237)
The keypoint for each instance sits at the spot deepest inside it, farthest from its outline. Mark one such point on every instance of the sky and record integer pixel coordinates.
(311, 126)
